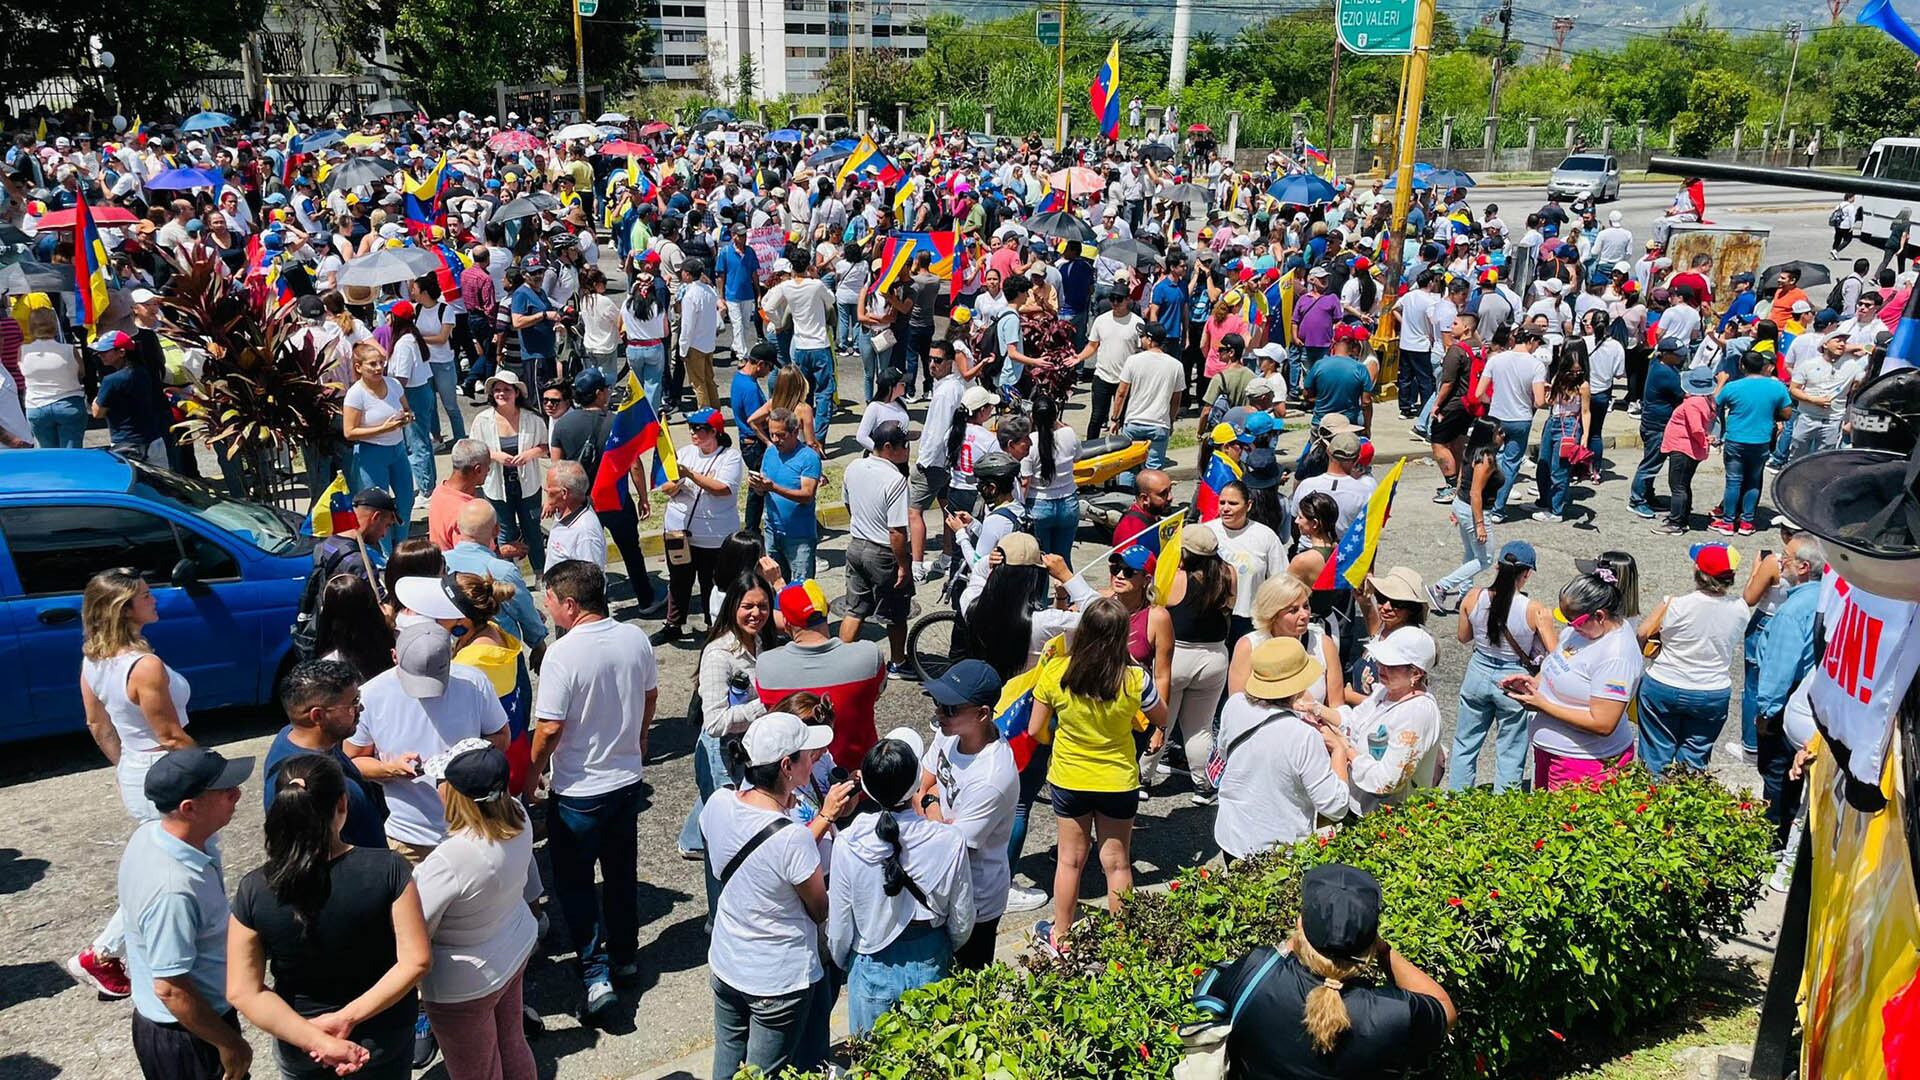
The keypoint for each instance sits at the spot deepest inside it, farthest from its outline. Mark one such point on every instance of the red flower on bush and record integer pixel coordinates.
(1197, 969)
(1566, 826)
(1454, 901)
(1641, 809)
(1744, 805)
(1203, 874)
(1174, 885)
(1556, 1035)
(1480, 1063)
(1144, 1053)
(1538, 844)
(1324, 841)
(1572, 807)
(1493, 894)
(1383, 834)
(1117, 969)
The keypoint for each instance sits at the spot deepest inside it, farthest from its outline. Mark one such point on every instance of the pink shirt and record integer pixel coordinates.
(1687, 429)
(1219, 328)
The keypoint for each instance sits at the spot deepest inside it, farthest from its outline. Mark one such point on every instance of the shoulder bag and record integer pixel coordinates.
(1217, 760)
(752, 845)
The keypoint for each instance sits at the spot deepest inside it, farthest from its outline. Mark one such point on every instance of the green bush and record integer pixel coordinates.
(1548, 916)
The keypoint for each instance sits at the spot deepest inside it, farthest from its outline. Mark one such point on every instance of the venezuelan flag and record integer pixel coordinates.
(666, 459)
(900, 197)
(89, 267)
(893, 260)
(634, 431)
(333, 511)
(422, 201)
(1353, 559)
(291, 167)
(1105, 94)
(1221, 471)
(1313, 153)
(943, 245)
(867, 160)
(1051, 201)
(133, 129)
(1165, 536)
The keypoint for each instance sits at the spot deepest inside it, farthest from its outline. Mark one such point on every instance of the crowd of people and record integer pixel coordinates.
(460, 684)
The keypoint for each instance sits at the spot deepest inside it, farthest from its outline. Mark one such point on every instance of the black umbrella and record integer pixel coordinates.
(514, 210)
(1156, 151)
(1132, 252)
(543, 200)
(1810, 274)
(11, 234)
(355, 172)
(1188, 194)
(1060, 225)
(29, 276)
(390, 107)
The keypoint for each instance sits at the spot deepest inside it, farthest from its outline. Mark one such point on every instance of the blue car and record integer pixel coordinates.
(227, 575)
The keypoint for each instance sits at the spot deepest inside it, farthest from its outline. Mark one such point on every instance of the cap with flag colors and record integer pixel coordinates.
(89, 266)
(1105, 93)
(1353, 559)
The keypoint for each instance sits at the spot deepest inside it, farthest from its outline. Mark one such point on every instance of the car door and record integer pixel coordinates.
(57, 547)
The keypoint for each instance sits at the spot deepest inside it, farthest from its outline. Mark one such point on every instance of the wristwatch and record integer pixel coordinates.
(928, 799)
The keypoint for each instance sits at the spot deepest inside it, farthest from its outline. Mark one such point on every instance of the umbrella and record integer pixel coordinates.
(610, 118)
(28, 276)
(1156, 151)
(1301, 189)
(515, 209)
(577, 133)
(543, 201)
(102, 215)
(357, 171)
(390, 107)
(1079, 179)
(1188, 194)
(1192, 128)
(786, 135)
(623, 148)
(383, 266)
(839, 151)
(11, 234)
(1810, 274)
(422, 261)
(185, 180)
(1132, 252)
(656, 127)
(716, 116)
(207, 121)
(513, 141)
(1060, 225)
(1448, 179)
(1419, 183)
(360, 139)
(320, 140)
(608, 131)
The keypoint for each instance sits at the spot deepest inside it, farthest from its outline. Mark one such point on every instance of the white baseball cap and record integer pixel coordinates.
(1407, 645)
(144, 296)
(776, 736)
(977, 397)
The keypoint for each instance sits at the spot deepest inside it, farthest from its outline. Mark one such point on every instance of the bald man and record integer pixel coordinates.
(475, 551)
(1153, 494)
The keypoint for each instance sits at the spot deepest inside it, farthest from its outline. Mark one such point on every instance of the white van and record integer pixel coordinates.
(1891, 159)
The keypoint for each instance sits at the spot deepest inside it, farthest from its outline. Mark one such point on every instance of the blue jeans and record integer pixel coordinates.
(446, 386)
(1416, 380)
(1513, 451)
(848, 325)
(419, 435)
(588, 830)
(1482, 705)
(380, 466)
(1475, 556)
(649, 364)
(1032, 779)
(1055, 522)
(871, 361)
(919, 341)
(769, 1033)
(522, 523)
(1679, 725)
(1640, 492)
(480, 327)
(922, 954)
(1783, 442)
(817, 366)
(59, 424)
(793, 553)
(1746, 464)
(1156, 437)
(1553, 475)
(709, 774)
(1424, 423)
(1749, 696)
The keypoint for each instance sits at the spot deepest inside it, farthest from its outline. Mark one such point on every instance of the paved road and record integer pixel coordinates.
(66, 828)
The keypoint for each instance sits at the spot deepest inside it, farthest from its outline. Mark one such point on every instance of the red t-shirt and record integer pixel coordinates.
(1702, 288)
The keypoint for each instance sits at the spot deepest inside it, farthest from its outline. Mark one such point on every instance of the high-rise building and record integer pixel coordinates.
(788, 41)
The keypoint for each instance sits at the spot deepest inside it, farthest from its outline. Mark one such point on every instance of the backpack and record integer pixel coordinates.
(304, 633)
(1470, 398)
(1837, 296)
(1834, 219)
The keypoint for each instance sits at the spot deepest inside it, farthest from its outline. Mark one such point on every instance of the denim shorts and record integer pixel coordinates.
(1118, 805)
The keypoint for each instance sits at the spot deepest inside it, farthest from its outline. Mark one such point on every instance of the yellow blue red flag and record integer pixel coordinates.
(89, 267)
(867, 159)
(1105, 93)
(333, 511)
(1353, 560)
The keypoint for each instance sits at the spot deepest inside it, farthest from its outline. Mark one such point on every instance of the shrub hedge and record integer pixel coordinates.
(1548, 916)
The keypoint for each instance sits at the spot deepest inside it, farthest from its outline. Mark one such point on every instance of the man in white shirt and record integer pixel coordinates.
(932, 472)
(417, 708)
(1349, 492)
(1558, 315)
(1820, 387)
(1613, 243)
(699, 328)
(1113, 337)
(1680, 324)
(809, 302)
(878, 552)
(969, 781)
(1416, 339)
(598, 688)
(577, 532)
(1865, 327)
(1515, 384)
(1149, 396)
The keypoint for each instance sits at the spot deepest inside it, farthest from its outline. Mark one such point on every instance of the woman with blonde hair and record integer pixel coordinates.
(474, 892)
(136, 710)
(374, 417)
(1282, 608)
(1307, 1003)
(55, 403)
(789, 392)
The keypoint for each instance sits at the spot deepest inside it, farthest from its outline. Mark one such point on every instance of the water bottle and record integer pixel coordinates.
(1377, 742)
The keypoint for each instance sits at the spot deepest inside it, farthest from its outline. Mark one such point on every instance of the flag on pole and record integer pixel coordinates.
(133, 129)
(907, 189)
(931, 134)
(422, 201)
(633, 431)
(666, 458)
(1166, 538)
(1353, 559)
(1050, 200)
(1221, 470)
(89, 267)
(266, 101)
(291, 168)
(1313, 153)
(333, 511)
(1105, 93)
(40, 133)
(867, 159)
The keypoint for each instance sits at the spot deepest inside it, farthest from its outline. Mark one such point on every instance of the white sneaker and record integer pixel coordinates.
(1546, 515)
(1020, 898)
(920, 573)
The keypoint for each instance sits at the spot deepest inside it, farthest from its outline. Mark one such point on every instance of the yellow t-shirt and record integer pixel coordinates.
(1093, 740)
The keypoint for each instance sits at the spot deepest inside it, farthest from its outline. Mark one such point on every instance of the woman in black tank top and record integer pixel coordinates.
(1200, 608)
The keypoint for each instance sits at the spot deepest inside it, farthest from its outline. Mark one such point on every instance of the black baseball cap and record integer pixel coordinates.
(969, 682)
(1340, 910)
(890, 433)
(187, 773)
(473, 767)
(375, 498)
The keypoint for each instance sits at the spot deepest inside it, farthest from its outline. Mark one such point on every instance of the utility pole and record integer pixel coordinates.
(1493, 90)
(1060, 86)
(1793, 35)
(1834, 8)
(1409, 146)
(579, 61)
(1182, 38)
(853, 55)
(1333, 90)
(1562, 26)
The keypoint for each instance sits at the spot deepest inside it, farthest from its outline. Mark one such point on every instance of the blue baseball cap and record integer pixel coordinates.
(493, 183)
(1136, 557)
(1260, 423)
(588, 383)
(969, 682)
(1519, 552)
(708, 417)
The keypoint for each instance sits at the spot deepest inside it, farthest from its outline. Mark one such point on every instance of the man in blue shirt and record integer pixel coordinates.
(746, 397)
(788, 477)
(534, 317)
(128, 403)
(1740, 307)
(1338, 383)
(322, 701)
(1783, 656)
(736, 270)
(1076, 291)
(1751, 409)
(476, 532)
(1168, 302)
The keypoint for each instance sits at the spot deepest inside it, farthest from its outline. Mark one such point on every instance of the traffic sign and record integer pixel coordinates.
(586, 8)
(1046, 27)
(1376, 27)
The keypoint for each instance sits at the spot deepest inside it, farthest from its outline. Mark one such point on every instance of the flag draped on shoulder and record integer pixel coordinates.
(1353, 559)
(868, 160)
(634, 429)
(89, 268)
(1221, 470)
(1104, 94)
(333, 511)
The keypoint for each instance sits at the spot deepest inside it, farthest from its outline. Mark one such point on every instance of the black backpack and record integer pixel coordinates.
(304, 632)
(1837, 296)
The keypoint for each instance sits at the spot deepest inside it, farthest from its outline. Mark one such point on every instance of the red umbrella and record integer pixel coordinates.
(513, 141)
(1191, 128)
(102, 215)
(656, 128)
(623, 148)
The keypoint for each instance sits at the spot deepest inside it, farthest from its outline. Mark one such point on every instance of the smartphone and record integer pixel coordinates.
(1764, 553)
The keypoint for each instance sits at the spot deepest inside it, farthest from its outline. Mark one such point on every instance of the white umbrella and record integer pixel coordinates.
(577, 133)
(610, 118)
(385, 266)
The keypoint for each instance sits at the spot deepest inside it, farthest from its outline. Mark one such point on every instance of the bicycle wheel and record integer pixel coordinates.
(935, 643)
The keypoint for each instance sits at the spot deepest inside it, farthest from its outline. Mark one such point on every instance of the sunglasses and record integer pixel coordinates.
(1119, 569)
(553, 401)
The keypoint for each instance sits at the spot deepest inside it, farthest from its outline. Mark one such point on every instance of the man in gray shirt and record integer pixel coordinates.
(877, 549)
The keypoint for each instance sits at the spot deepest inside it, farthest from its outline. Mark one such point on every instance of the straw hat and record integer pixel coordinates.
(1281, 669)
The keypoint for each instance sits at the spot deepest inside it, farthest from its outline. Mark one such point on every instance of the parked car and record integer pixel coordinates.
(1596, 176)
(826, 122)
(226, 573)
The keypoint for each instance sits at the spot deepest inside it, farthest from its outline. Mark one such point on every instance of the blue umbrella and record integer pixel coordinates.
(839, 151)
(1448, 179)
(716, 116)
(207, 121)
(785, 135)
(1301, 189)
(185, 180)
(1419, 182)
(320, 140)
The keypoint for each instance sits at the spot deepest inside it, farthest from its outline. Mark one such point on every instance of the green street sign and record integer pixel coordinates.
(1376, 27)
(1046, 27)
(586, 8)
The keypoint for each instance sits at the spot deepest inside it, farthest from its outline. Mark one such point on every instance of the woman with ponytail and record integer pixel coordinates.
(1580, 697)
(1509, 632)
(1306, 1009)
(341, 929)
(900, 897)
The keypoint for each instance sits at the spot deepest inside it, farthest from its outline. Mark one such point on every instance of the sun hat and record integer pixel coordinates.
(1697, 382)
(1281, 669)
(1401, 584)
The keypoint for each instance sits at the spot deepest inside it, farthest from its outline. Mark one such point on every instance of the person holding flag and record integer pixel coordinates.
(1223, 468)
(610, 445)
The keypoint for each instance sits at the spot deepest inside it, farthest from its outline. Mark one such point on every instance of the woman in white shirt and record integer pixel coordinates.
(1048, 472)
(136, 710)
(704, 504)
(56, 405)
(1277, 777)
(1509, 632)
(883, 405)
(408, 364)
(601, 323)
(374, 417)
(1282, 608)
(1393, 736)
(1253, 550)
(1689, 684)
(729, 696)
(850, 277)
(434, 319)
(968, 442)
(900, 898)
(1580, 697)
(517, 439)
(475, 889)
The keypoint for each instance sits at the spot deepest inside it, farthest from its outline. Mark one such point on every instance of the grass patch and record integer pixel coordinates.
(1724, 1012)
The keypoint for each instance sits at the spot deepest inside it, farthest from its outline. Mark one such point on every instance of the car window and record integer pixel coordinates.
(57, 549)
(211, 562)
(1584, 164)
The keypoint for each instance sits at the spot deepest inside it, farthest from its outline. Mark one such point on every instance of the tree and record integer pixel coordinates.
(158, 46)
(880, 78)
(747, 81)
(511, 41)
(1717, 100)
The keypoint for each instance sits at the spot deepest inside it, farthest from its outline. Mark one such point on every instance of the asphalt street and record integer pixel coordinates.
(67, 828)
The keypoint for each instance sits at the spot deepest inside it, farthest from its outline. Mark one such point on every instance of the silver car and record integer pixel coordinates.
(1595, 176)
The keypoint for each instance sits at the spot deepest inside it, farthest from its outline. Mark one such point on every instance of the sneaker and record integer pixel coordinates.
(105, 974)
(693, 854)
(1668, 528)
(1547, 515)
(1440, 600)
(1745, 529)
(600, 998)
(1721, 526)
(1443, 494)
(1641, 509)
(1021, 898)
(626, 974)
(653, 609)
(1205, 796)
(902, 671)
(1145, 794)
(920, 573)
(423, 1043)
(667, 634)
(1041, 938)
(1633, 408)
